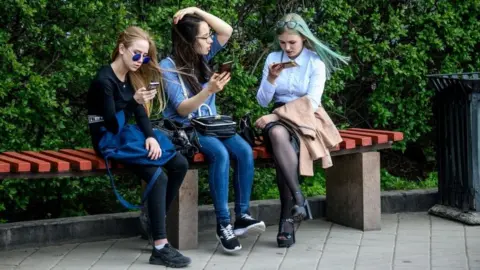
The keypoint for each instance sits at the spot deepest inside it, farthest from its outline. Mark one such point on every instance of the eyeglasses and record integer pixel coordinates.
(289, 24)
(137, 56)
(210, 35)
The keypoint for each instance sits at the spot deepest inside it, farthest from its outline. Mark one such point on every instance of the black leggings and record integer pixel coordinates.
(163, 192)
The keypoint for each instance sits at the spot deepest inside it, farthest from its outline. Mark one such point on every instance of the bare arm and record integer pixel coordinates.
(223, 29)
(189, 105)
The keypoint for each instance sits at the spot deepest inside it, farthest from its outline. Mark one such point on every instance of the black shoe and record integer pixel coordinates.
(303, 212)
(169, 257)
(286, 233)
(227, 238)
(245, 225)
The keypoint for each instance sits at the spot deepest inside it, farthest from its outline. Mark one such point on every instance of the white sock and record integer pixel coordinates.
(160, 246)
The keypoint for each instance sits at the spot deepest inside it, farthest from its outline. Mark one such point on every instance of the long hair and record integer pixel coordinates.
(331, 59)
(187, 60)
(147, 73)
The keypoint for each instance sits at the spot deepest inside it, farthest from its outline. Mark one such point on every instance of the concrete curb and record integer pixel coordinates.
(108, 226)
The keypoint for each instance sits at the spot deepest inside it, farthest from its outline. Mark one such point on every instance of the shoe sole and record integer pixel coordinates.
(226, 249)
(171, 265)
(256, 228)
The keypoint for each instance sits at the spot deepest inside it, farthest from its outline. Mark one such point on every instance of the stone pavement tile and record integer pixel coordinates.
(414, 221)
(14, 257)
(374, 267)
(368, 256)
(264, 260)
(450, 268)
(338, 255)
(378, 239)
(327, 266)
(122, 254)
(46, 257)
(412, 247)
(202, 255)
(389, 224)
(472, 231)
(223, 266)
(314, 225)
(450, 261)
(474, 261)
(142, 263)
(410, 267)
(301, 255)
(412, 259)
(413, 236)
(84, 255)
(300, 264)
(443, 224)
(343, 229)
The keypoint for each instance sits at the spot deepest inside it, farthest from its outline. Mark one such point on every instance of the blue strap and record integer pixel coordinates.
(145, 193)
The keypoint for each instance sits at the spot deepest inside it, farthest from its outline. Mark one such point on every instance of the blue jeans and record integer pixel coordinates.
(218, 153)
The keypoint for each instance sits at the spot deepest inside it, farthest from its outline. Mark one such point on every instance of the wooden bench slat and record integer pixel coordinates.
(376, 137)
(97, 162)
(359, 140)
(77, 163)
(111, 163)
(37, 165)
(347, 144)
(57, 164)
(262, 152)
(16, 165)
(4, 167)
(392, 135)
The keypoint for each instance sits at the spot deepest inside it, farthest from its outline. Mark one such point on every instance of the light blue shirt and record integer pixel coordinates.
(308, 78)
(174, 92)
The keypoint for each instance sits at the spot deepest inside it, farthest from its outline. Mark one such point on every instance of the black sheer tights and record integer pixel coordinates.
(286, 161)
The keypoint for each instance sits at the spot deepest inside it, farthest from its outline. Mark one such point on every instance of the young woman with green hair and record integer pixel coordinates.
(313, 64)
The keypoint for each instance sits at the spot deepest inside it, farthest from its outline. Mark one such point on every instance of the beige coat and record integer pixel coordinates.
(316, 132)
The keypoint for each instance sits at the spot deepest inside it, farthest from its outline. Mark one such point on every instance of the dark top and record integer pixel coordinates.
(108, 95)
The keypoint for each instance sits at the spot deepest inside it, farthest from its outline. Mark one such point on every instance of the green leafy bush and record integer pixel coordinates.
(50, 50)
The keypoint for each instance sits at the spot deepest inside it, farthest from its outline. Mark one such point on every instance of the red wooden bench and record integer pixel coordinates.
(353, 183)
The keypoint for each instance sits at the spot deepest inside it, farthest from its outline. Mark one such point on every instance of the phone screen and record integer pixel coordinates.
(153, 85)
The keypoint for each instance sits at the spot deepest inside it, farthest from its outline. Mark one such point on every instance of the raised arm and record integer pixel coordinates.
(223, 29)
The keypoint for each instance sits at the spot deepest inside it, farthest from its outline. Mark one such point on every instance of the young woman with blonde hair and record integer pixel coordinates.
(118, 92)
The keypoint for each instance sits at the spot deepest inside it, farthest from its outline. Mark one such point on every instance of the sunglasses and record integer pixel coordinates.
(137, 56)
(289, 24)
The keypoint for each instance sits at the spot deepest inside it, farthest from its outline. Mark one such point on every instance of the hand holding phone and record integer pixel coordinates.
(144, 95)
(288, 64)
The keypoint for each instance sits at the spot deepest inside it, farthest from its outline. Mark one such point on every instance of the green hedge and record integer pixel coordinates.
(50, 50)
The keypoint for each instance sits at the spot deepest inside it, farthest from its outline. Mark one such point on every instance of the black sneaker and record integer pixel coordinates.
(245, 225)
(169, 257)
(227, 238)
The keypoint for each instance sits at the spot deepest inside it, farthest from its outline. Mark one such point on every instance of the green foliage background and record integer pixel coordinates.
(51, 49)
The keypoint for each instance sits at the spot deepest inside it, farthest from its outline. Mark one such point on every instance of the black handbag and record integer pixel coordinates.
(220, 126)
(184, 138)
(247, 131)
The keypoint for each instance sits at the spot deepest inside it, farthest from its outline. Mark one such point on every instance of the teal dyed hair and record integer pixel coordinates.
(331, 59)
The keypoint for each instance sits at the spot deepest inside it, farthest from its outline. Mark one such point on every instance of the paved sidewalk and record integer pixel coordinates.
(406, 241)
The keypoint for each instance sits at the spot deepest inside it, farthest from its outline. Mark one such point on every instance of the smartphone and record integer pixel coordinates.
(288, 64)
(225, 67)
(153, 85)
